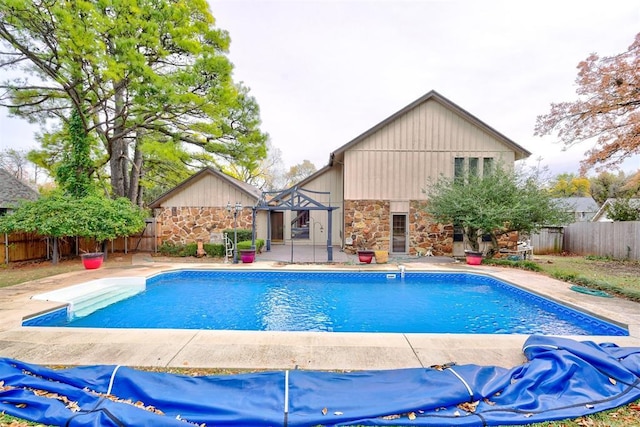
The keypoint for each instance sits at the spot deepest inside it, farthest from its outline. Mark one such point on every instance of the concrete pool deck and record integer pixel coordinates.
(279, 350)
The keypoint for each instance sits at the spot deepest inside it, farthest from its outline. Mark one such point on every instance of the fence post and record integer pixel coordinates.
(6, 248)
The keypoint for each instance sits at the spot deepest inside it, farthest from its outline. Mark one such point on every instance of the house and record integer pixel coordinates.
(602, 214)
(12, 190)
(377, 179)
(370, 193)
(196, 209)
(582, 208)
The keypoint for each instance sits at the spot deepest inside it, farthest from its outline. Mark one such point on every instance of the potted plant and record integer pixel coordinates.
(247, 252)
(92, 260)
(473, 257)
(365, 255)
(381, 257)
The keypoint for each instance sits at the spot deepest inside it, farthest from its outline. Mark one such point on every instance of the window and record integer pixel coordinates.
(458, 168)
(487, 165)
(458, 233)
(474, 164)
(300, 225)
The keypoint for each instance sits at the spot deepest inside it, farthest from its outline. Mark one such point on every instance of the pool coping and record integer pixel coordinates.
(281, 350)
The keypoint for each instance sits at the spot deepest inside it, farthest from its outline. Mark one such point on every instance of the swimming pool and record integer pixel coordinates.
(336, 301)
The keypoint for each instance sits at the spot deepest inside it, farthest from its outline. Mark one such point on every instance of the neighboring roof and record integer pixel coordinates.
(579, 204)
(602, 212)
(249, 189)
(520, 152)
(12, 190)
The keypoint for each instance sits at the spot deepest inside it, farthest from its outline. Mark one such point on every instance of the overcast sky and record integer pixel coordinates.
(323, 72)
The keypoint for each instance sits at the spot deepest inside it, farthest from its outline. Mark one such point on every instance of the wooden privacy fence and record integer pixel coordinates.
(619, 240)
(16, 247)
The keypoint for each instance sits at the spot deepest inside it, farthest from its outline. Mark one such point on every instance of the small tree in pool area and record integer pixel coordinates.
(499, 202)
(59, 216)
(76, 209)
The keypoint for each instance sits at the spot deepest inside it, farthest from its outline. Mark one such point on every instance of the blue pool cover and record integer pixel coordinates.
(562, 379)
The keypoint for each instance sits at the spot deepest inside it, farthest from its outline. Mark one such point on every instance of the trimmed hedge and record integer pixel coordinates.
(246, 244)
(243, 234)
(172, 249)
(214, 250)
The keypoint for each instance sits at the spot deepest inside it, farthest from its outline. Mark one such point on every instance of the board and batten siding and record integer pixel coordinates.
(397, 161)
(331, 181)
(209, 190)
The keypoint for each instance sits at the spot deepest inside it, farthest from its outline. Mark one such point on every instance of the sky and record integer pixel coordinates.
(323, 72)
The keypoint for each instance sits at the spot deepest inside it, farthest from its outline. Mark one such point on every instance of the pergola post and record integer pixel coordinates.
(329, 245)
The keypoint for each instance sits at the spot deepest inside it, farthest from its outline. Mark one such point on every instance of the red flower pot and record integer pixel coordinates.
(473, 258)
(365, 256)
(247, 256)
(93, 260)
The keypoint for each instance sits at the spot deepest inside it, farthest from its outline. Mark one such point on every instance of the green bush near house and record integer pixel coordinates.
(173, 249)
(214, 250)
(246, 244)
(243, 234)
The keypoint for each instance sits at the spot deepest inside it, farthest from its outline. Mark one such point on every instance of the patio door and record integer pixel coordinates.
(399, 233)
(277, 226)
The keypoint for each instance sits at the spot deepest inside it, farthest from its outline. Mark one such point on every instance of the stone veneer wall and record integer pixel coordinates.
(368, 223)
(183, 225)
(425, 234)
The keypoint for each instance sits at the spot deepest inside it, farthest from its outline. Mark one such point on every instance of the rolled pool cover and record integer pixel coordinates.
(562, 379)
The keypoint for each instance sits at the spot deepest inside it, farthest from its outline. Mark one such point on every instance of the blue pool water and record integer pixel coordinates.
(339, 302)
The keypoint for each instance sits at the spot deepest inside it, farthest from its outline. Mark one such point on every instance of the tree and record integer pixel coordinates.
(299, 172)
(494, 204)
(623, 210)
(608, 185)
(60, 216)
(607, 110)
(16, 162)
(267, 174)
(569, 185)
(74, 173)
(139, 71)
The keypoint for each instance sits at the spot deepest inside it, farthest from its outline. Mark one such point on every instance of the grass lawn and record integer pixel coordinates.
(620, 277)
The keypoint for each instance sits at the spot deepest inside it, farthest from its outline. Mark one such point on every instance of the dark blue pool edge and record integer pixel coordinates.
(46, 317)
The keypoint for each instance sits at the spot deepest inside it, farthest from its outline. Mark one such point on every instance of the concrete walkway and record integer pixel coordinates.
(277, 350)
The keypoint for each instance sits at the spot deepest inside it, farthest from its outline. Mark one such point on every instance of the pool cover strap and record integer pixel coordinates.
(563, 379)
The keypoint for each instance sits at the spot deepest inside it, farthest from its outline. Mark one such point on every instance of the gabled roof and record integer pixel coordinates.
(12, 190)
(520, 152)
(249, 189)
(634, 203)
(578, 204)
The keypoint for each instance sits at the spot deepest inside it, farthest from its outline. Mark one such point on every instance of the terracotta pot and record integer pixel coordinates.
(92, 260)
(382, 257)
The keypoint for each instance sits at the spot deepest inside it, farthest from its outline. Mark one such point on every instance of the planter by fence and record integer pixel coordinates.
(92, 260)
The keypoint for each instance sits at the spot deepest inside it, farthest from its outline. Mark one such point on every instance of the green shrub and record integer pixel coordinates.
(215, 250)
(172, 249)
(246, 244)
(243, 234)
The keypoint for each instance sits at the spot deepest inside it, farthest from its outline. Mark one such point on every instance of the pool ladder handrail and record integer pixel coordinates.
(228, 248)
